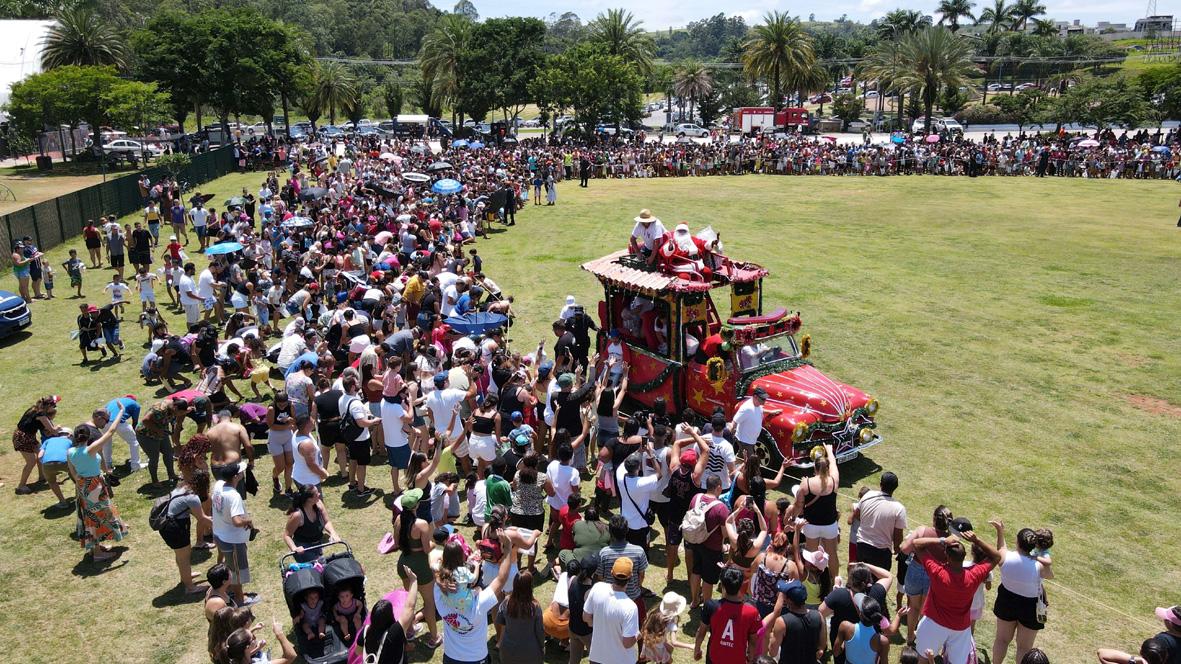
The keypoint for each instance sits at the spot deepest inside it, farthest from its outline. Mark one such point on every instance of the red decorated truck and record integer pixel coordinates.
(679, 349)
(749, 120)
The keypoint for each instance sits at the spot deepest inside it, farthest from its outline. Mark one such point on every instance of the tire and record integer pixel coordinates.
(775, 457)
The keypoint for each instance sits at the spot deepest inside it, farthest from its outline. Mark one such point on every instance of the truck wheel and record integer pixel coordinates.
(774, 456)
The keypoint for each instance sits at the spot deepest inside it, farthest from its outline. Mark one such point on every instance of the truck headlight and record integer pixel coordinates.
(871, 407)
(800, 432)
(865, 435)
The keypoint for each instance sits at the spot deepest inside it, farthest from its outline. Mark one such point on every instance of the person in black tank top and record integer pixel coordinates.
(797, 630)
(816, 502)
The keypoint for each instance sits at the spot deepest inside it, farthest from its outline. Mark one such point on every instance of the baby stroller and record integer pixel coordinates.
(329, 576)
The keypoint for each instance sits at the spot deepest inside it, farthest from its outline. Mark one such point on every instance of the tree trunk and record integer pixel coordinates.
(286, 119)
(200, 117)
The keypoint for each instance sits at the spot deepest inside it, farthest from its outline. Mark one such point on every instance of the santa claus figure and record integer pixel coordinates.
(686, 255)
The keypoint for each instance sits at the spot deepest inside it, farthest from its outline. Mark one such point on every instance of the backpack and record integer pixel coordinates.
(693, 526)
(349, 429)
(158, 516)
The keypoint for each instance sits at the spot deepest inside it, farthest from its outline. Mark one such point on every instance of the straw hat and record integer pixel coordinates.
(646, 217)
(673, 604)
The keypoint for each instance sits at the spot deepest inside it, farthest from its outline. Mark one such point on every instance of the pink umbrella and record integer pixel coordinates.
(933, 138)
(1089, 143)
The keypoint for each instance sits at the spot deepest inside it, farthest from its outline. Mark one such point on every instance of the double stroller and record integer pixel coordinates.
(328, 576)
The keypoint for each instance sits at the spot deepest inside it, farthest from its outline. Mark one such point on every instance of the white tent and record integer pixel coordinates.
(20, 51)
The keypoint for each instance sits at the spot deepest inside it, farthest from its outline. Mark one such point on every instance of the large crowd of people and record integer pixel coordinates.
(348, 296)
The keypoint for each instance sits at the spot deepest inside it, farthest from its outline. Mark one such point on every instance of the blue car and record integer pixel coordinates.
(14, 313)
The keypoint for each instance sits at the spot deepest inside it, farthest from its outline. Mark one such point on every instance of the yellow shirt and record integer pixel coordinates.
(415, 290)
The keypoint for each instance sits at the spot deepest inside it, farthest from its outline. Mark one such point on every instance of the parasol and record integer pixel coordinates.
(447, 186)
(459, 143)
(223, 248)
(298, 222)
(932, 138)
(439, 166)
(416, 177)
(312, 193)
(236, 201)
(475, 145)
(387, 156)
(476, 322)
(1088, 143)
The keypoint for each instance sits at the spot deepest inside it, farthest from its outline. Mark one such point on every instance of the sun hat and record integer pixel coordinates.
(1171, 615)
(646, 217)
(817, 558)
(673, 604)
(410, 498)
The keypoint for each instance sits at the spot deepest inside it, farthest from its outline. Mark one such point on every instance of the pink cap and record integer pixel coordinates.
(1170, 615)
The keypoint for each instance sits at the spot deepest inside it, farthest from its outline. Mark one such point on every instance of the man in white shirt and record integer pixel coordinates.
(721, 461)
(444, 404)
(199, 217)
(232, 527)
(634, 493)
(748, 419)
(883, 521)
(613, 617)
(563, 478)
(189, 299)
(646, 234)
(293, 346)
(208, 288)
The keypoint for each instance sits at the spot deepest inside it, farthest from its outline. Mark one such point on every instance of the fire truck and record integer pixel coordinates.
(704, 362)
(751, 120)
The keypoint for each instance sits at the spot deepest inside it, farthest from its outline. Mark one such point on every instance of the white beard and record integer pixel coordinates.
(685, 243)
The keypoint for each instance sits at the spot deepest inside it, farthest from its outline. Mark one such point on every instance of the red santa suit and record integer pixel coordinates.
(684, 254)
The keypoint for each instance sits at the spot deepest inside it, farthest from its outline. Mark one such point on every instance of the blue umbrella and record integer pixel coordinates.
(309, 357)
(475, 145)
(477, 322)
(447, 186)
(1161, 148)
(897, 139)
(223, 248)
(298, 222)
(459, 143)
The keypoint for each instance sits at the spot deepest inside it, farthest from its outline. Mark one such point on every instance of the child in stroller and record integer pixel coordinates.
(318, 595)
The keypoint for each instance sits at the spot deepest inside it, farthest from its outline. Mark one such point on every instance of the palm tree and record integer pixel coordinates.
(901, 22)
(999, 16)
(620, 33)
(333, 88)
(884, 64)
(933, 59)
(1043, 27)
(82, 37)
(439, 58)
(692, 81)
(776, 49)
(953, 10)
(810, 78)
(1025, 10)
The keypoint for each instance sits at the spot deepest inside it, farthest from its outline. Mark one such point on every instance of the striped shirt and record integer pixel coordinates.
(612, 552)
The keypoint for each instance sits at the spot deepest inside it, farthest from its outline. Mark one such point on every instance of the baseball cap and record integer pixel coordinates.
(440, 379)
(516, 416)
(960, 525)
(688, 457)
(760, 393)
(1171, 615)
(793, 590)
(590, 561)
(622, 568)
(545, 368)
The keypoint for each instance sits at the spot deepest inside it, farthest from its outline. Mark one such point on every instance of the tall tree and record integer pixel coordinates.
(620, 33)
(334, 88)
(391, 96)
(594, 83)
(1025, 10)
(777, 49)
(933, 59)
(80, 36)
(900, 22)
(68, 95)
(999, 16)
(692, 81)
(1044, 28)
(506, 53)
(136, 104)
(466, 9)
(951, 11)
(439, 59)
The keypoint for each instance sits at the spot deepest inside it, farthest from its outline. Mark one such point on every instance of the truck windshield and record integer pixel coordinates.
(766, 351)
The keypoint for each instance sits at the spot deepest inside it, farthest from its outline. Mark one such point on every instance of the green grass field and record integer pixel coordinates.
(1018, 332)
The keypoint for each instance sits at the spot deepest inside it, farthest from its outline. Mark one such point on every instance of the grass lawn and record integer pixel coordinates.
(1018, 332)
(29, 186)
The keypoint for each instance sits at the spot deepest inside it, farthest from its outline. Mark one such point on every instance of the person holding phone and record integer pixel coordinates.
(635, 493)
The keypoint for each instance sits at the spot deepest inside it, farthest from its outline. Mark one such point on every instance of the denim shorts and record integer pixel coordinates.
(916, 581)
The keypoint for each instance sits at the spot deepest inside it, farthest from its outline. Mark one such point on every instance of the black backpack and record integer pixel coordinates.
(349, 429)
(158, 516)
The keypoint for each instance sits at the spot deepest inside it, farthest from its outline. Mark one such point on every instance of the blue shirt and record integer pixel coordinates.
(130, 410)
(463, 304)
(84, 464)
(55, 449)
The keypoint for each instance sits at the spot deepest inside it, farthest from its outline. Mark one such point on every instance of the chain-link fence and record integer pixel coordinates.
(54, 221)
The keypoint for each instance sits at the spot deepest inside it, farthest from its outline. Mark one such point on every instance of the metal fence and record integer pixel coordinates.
(54, 221)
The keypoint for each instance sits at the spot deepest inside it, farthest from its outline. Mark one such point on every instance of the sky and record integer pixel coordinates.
(659, 14)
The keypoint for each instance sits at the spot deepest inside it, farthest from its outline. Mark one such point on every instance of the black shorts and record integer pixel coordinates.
(529, 521)
(93, 243)
(1016, 608)
(361, 452)
(176, 533)
(117, 260)
(873, 555)
(669, 522)
(706, 563)
(329, 433)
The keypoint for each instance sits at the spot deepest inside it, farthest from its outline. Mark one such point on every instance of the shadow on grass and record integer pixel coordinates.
(153, 491)
(351, 501)
(14, 338)
(58, 511)
(87, 567)
(176, 596)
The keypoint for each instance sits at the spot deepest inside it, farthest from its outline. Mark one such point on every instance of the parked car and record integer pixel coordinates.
(331, 131)
(14, 313)
(871, 94)
(938, 126)
(821, 98)
(368, 130)
(134, 147)
(1026, 86)
(857, 126)
(690, 129)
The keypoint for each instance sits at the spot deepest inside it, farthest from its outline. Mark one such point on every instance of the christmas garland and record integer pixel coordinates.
(768, 369)
(656, 382)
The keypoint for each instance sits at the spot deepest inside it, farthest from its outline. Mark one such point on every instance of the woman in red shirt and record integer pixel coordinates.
(94, 243)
